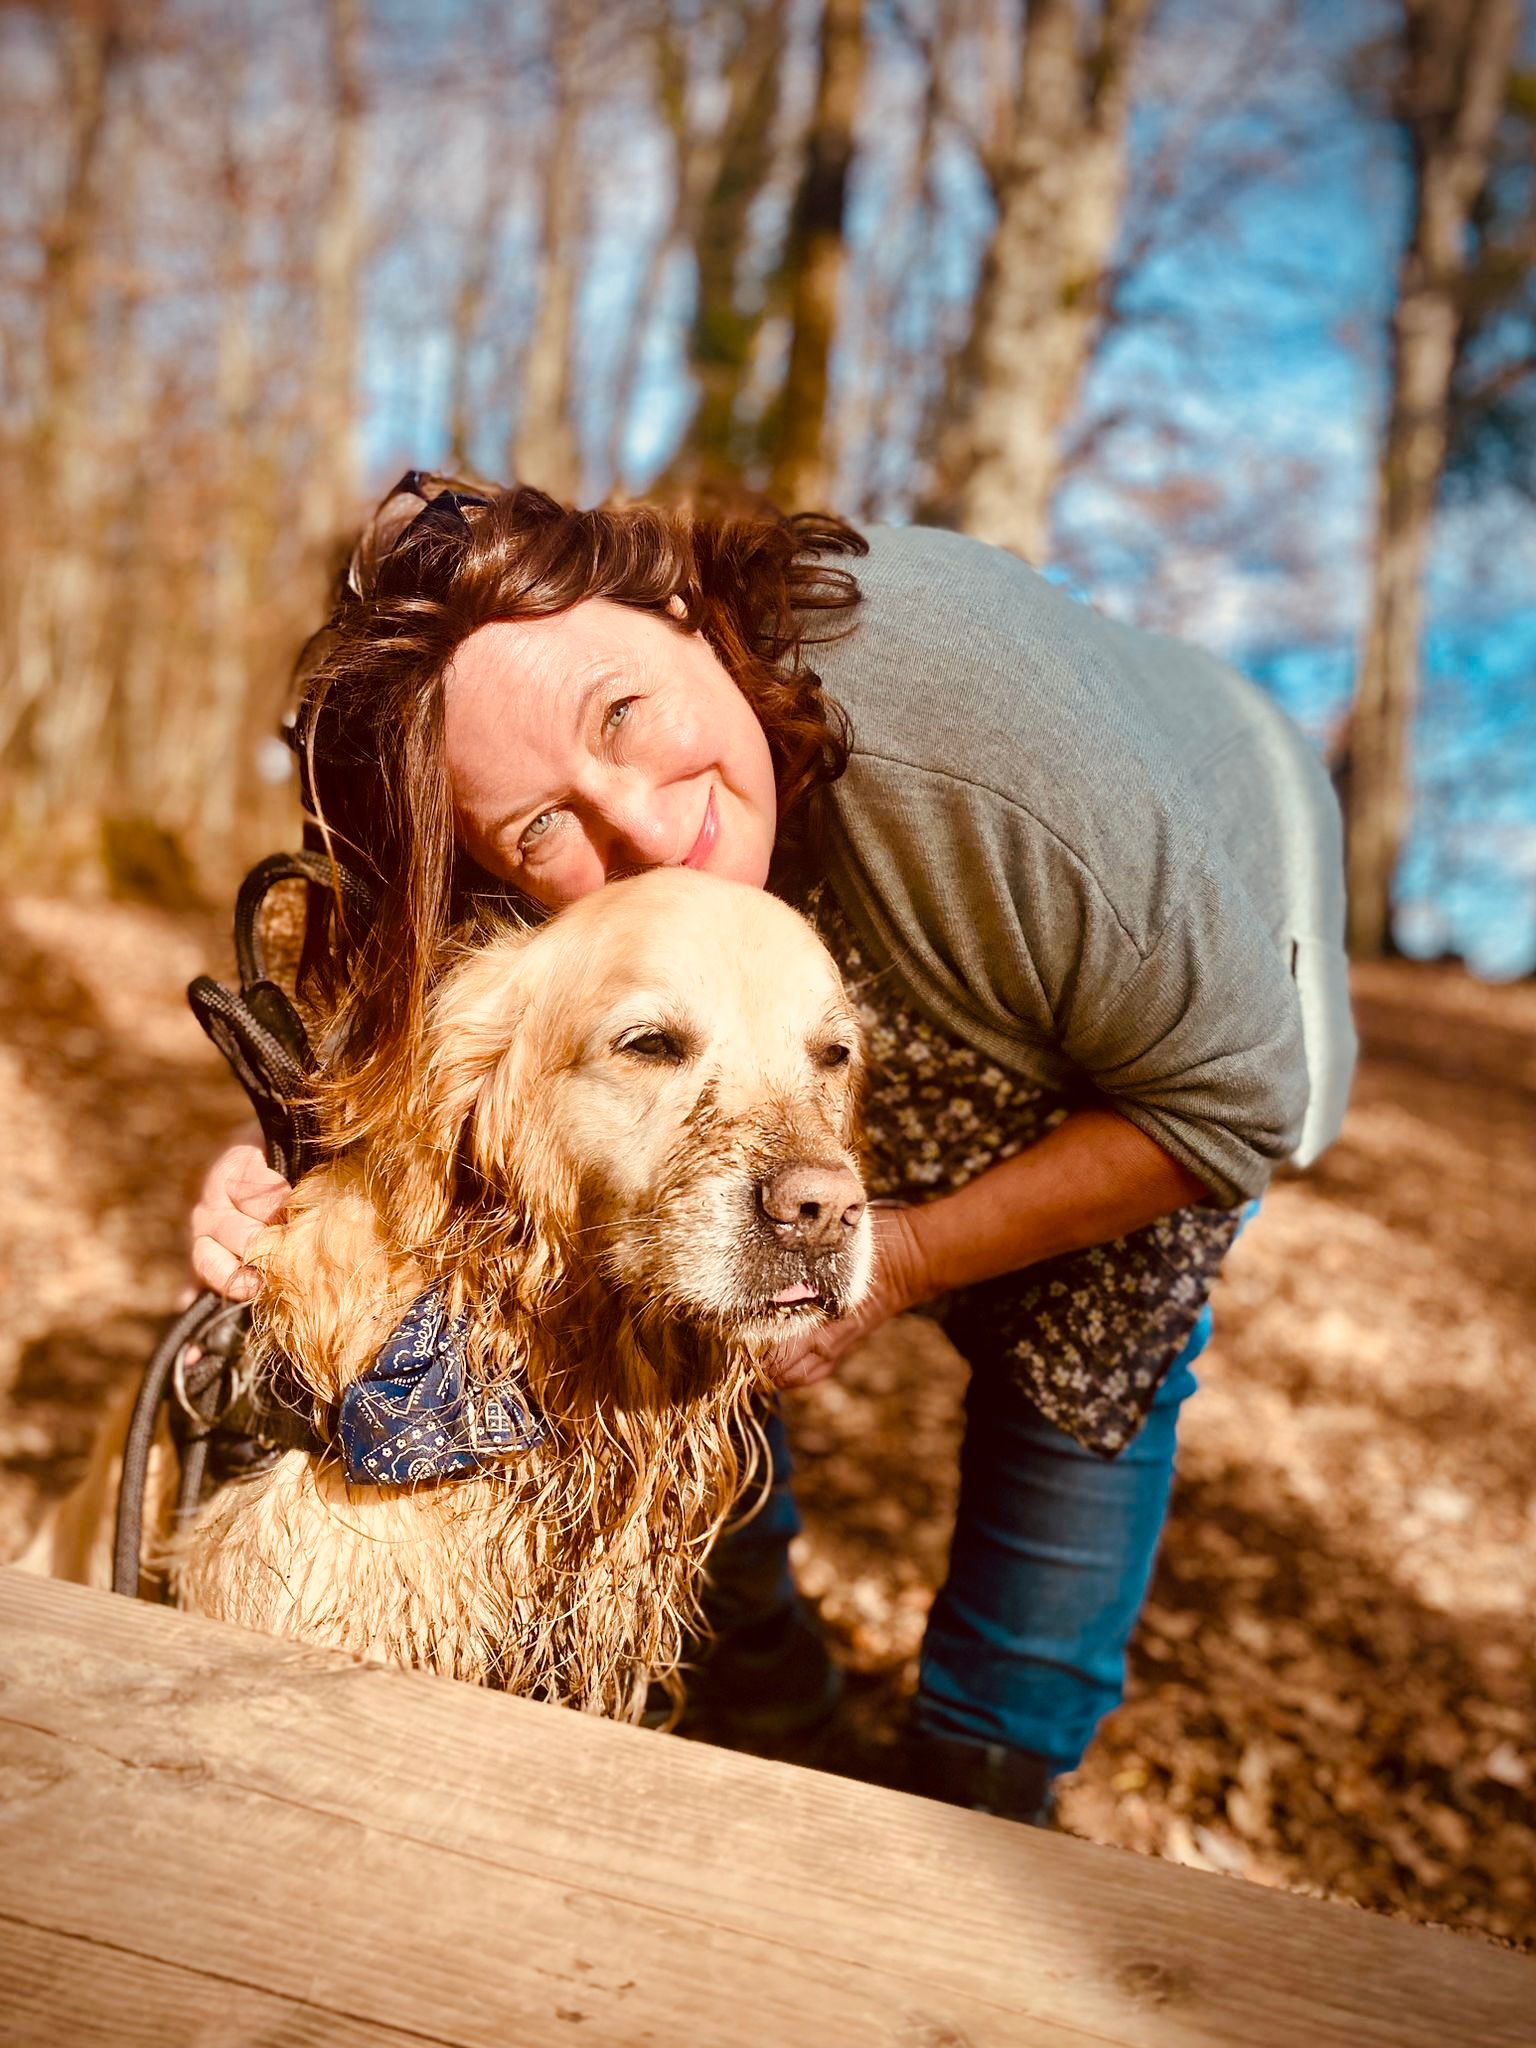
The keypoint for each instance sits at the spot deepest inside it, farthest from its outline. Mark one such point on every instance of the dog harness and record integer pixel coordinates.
(415, 1416)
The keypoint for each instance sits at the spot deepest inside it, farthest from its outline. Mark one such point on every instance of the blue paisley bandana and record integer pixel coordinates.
(413, 1415)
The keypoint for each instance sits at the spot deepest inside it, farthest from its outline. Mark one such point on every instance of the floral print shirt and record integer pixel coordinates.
(1090, 1335)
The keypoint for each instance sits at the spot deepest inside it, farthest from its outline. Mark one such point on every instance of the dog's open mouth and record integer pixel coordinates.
(799, 1297)
(818, 1294)
(799, 1287)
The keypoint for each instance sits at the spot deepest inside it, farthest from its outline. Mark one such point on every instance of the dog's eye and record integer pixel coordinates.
(834, 1055)
(656, 1045)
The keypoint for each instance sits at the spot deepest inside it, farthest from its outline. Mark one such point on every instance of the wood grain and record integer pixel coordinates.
(60, 1991)
(218, 1830)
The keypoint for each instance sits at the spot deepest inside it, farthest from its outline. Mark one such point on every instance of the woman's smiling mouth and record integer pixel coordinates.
(709, 832)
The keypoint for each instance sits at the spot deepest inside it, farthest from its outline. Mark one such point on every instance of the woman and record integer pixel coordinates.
(1086, 881)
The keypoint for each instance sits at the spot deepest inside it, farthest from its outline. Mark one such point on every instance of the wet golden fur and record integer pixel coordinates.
(595, 1107)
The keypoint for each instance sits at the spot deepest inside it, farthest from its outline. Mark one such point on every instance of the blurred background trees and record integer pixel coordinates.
(1224, 313)
(1451, 88)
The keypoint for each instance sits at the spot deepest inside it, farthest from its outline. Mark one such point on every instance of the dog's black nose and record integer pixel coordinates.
(812, 1205)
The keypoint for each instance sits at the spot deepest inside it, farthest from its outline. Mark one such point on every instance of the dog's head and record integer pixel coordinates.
(662, 1083)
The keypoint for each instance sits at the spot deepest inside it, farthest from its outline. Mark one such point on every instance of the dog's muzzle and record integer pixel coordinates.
(807, 1246)
(812, 1208)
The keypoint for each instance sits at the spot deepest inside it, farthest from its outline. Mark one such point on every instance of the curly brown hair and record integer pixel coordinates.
(443, 557)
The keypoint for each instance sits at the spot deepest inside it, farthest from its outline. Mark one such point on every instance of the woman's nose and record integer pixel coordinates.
(640, 834)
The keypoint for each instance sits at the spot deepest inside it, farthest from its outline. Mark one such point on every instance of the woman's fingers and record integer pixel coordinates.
(221, 1272)
(806, 1372)
(240, 1196)
(803, 1365)
(226, 1224)
(242, 1178)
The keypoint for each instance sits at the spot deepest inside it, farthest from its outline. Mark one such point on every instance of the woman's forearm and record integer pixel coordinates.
(1094, 1178)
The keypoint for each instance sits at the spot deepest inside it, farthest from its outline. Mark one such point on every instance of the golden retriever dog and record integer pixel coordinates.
(628, 1169)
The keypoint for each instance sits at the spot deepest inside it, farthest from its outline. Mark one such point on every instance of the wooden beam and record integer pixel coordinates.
(65, 1989)
(226, 1837)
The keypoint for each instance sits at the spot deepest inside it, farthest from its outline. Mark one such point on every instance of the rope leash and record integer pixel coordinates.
(219, 1416)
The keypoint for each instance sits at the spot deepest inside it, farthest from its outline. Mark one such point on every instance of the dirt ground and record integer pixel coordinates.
(1334, 1686)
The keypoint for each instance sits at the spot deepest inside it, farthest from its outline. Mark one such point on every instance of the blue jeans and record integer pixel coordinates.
(1053, 1552)
(1052, 1556)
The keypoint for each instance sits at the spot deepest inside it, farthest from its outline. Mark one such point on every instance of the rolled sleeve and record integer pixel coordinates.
(1172, 998)
(1201, 1045)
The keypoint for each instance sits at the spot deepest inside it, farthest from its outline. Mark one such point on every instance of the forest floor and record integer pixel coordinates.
(1333, 1689)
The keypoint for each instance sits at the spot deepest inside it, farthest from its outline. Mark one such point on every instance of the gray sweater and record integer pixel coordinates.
(1097, 855)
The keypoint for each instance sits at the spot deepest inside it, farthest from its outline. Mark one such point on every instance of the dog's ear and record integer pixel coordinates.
(472, 1033)
(502, 1040)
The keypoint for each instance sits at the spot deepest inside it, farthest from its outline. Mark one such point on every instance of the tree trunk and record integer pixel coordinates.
(328, 501)
(1059, 190)
(218, 757)
(1457, 57)
(140, 691)
(814, 262)
(61, 684)
(875, 423)
(143, 668)
(494, 59)
(468, 314)
(725, 331)
(695, 161)
(544, 447)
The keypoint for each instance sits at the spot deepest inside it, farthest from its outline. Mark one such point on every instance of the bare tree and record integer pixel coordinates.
(544, 447)
(329, 495)
(1456, 58)
(814, 261)
(1059, 183)
(474, 291)
(697, 155)
(1491, 425)
(233, 585)
(55, 698)
(725, 322)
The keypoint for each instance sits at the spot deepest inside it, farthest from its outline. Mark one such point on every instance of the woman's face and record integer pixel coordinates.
(602, 740)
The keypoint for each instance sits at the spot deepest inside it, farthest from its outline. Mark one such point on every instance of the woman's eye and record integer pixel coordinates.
(616, 713)
(536, 829)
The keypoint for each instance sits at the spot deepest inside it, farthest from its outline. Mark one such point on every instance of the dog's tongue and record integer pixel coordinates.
(789, 1295)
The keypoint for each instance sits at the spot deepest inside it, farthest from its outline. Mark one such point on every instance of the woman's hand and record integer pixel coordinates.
(240, 1195)
(1094, 1178)
(899, 1283)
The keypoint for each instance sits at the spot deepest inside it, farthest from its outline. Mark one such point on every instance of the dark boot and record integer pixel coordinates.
(767, 1680)
(988, 1777)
